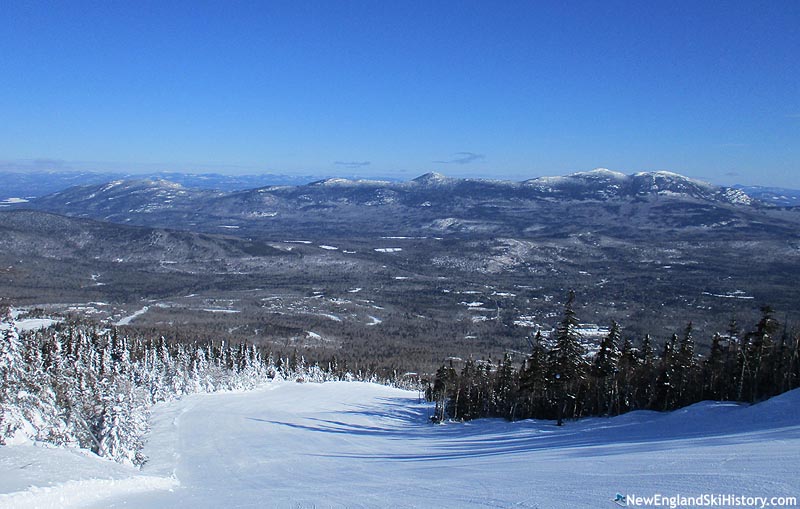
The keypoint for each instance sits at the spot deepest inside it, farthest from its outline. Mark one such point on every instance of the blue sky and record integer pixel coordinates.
(492, 89)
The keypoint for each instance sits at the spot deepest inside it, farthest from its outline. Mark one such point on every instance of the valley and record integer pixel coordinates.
(412, 272)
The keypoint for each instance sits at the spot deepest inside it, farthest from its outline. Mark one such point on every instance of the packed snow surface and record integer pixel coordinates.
(363, 445)
(128, 319)
(29, 324)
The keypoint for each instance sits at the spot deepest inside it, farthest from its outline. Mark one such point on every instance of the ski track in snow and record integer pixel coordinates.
(128, 319)
(364, 445)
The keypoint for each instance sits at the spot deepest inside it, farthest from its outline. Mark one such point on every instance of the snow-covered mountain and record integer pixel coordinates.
(27, 184)
(630, 243)
(778, 196)
(117, 199)
(604, 184)
(599, 184)
(420, 203)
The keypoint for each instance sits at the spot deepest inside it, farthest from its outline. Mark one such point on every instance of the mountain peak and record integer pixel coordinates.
(345, 182)
(335, 181)
(431, 178)
(604, 173)
(666, 179)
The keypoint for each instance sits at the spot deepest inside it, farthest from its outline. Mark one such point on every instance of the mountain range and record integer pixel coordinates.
(601, 200)
(32, 184)
(422, 269)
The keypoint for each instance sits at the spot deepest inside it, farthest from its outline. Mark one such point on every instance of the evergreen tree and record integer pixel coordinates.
(443, 384)
(533, 379)
(505, 388)
(666, 383)
(466, 403)
(626, 378)
(714, 369)
(12, 376)
(604, 369)
(757, 355)
(568, 362)
(645, 374)
(685, 367)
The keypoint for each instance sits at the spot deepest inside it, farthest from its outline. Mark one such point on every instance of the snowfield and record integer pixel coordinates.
(363, 445)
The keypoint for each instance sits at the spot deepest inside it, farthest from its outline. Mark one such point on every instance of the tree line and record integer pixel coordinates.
(76, 384)
(558, 379)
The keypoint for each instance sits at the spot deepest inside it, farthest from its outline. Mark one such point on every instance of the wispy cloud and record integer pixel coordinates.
(463, 158)
(733, 174)
(34, 165)
(352, 164)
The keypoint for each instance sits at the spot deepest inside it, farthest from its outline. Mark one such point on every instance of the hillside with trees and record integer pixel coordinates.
(79, 385)
(559, 380)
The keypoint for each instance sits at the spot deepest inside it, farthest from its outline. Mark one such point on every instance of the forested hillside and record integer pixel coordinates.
(79, 385)
(561, 378)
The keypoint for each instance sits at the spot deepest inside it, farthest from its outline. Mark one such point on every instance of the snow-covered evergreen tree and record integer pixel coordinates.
(12, 376)
(567, 360)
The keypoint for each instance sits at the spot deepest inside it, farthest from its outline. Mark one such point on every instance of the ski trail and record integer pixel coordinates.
(128, 319)
(362, 445)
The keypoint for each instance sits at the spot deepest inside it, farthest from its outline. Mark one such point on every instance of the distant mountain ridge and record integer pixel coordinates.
(600, 184)
(600, 200)
(156, 194)
(26, 185)
(777, 196)
(470, 253)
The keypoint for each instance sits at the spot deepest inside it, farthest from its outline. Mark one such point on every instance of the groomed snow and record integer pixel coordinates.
(128, 319)
(29, 324)
(364, 445)
(43, 477)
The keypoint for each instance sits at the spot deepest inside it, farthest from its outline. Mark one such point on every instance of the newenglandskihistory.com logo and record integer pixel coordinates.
(702, 500)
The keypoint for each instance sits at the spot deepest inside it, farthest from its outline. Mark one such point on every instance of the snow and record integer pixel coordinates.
(737, 197)
(329, 248)
(600, 172)
(389, 249)
(128, 319)
(36, 476)
(738, 294)
(35, 323)
(11, 201)
(373, 320)
(343, 182)
(345, 444)
(431, 178)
